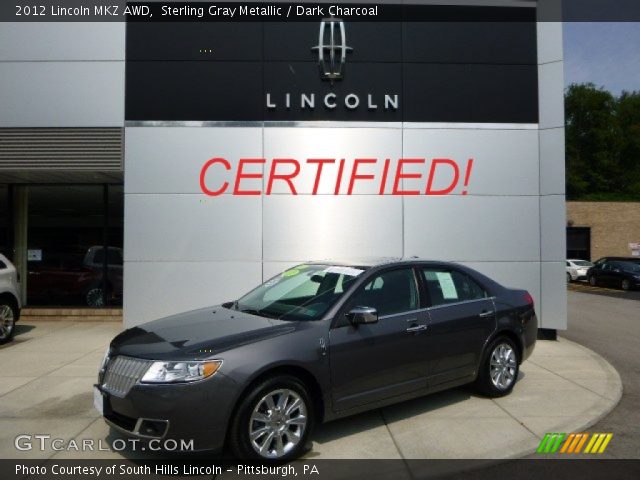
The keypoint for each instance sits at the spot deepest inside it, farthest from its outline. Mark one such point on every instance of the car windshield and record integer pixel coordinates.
(582, 263)
(304, 292)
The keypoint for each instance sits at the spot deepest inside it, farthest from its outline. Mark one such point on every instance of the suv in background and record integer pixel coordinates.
(9, 299)
(622, 272)
(577, 269)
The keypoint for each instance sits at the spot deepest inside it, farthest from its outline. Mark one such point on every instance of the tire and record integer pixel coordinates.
(501, 355)
(292, 439)
(8, 316)
(625, 285)
(593, 281)
(569, 278)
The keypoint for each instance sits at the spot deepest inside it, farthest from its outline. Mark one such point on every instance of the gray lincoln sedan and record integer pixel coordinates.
(317, 342)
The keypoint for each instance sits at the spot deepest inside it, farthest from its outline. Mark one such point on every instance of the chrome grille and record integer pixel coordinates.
(122, 373)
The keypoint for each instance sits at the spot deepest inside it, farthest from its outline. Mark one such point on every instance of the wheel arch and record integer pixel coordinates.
(10, 298)
(511, 335)
(301, 373)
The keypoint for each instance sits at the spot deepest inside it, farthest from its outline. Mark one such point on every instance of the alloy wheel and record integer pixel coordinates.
(626, 285)
(7, 321)
(277, 423)
(503, 366)
(94, 298)
(592, 281)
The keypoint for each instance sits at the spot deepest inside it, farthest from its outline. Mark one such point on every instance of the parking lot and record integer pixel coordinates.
(608, 321)
(584, 287)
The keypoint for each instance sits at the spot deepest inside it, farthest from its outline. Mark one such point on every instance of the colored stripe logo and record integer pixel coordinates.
(594, 443)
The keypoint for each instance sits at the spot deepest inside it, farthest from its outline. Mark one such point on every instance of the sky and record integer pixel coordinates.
(606, 54)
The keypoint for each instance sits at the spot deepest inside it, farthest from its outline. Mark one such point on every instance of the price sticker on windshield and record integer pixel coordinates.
(350, 271)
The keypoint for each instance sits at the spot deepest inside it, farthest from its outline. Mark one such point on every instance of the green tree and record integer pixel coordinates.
(602, 144)
(629, 121)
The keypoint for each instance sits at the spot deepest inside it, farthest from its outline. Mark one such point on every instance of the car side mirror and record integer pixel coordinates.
(362, 315)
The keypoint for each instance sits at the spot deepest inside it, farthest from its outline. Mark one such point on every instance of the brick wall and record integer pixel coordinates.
(613, 225)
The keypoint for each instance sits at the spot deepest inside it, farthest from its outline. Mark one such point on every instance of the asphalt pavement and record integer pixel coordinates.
(608, 322)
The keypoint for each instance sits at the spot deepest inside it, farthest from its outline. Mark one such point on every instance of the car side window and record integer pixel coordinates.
(568, 264)
(390, 293)
(451, 286)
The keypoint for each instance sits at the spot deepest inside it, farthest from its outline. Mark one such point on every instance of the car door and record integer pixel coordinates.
(461, 318)
(606, 274)
(371, 362)
(617, 274)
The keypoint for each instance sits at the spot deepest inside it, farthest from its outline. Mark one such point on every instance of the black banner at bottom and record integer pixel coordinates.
(197, 468)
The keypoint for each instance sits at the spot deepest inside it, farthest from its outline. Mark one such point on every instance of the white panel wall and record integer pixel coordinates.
(332, 227)
(185, 250)
(333, 143)
(502, 227)
(552, 307)
(472, 228)
(169, 160)
(505, 162)
(156, 289)
(62, 41)
(62, 74)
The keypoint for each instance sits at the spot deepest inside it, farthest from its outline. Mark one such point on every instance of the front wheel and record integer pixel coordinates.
(499, 368)
(592, 281)
(568, 278)
(273, 421)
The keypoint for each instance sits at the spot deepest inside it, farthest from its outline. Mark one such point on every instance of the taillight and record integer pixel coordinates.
(528, 298)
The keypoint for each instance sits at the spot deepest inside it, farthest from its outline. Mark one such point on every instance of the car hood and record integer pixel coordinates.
(197, 334)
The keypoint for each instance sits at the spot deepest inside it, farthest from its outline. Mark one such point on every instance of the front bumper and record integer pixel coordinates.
(185, 412)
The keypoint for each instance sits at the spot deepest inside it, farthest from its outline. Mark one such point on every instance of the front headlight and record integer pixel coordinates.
(169, 372)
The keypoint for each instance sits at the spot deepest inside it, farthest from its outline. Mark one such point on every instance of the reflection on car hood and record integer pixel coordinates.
(197, 334)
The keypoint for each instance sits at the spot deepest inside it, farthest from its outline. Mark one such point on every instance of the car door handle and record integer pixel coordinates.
(417, 328)
(490, 313)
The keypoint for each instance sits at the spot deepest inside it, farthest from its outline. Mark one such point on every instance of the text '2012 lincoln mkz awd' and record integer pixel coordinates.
(317, 342)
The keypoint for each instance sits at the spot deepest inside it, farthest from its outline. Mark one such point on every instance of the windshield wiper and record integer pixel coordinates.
(261, 313)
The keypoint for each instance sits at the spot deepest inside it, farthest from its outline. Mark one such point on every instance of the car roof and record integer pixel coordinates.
(621, 259)
(371, 262)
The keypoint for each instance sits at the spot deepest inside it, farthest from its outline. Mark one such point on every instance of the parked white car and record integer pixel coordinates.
(9, 299)
(577, 269)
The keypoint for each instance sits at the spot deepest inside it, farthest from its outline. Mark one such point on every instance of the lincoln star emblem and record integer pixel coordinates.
(332, 49)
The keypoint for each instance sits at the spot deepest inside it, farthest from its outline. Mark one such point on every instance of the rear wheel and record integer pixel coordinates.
(626, 284)
(499, 368)
(8, 317)
(273, 421)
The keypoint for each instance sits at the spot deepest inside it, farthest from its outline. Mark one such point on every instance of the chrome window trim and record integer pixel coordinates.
(408, 312)
(462, 302)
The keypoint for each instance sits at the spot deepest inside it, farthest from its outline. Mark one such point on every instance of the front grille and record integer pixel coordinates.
(122, 373)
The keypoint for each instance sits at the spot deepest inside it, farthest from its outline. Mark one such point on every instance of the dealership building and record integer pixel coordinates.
(106, 130)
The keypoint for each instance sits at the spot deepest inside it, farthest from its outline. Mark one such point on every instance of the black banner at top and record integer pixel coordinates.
(386, 11)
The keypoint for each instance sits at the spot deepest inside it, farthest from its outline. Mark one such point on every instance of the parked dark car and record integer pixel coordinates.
(621, 272)
(318, 342)
(76, 278)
